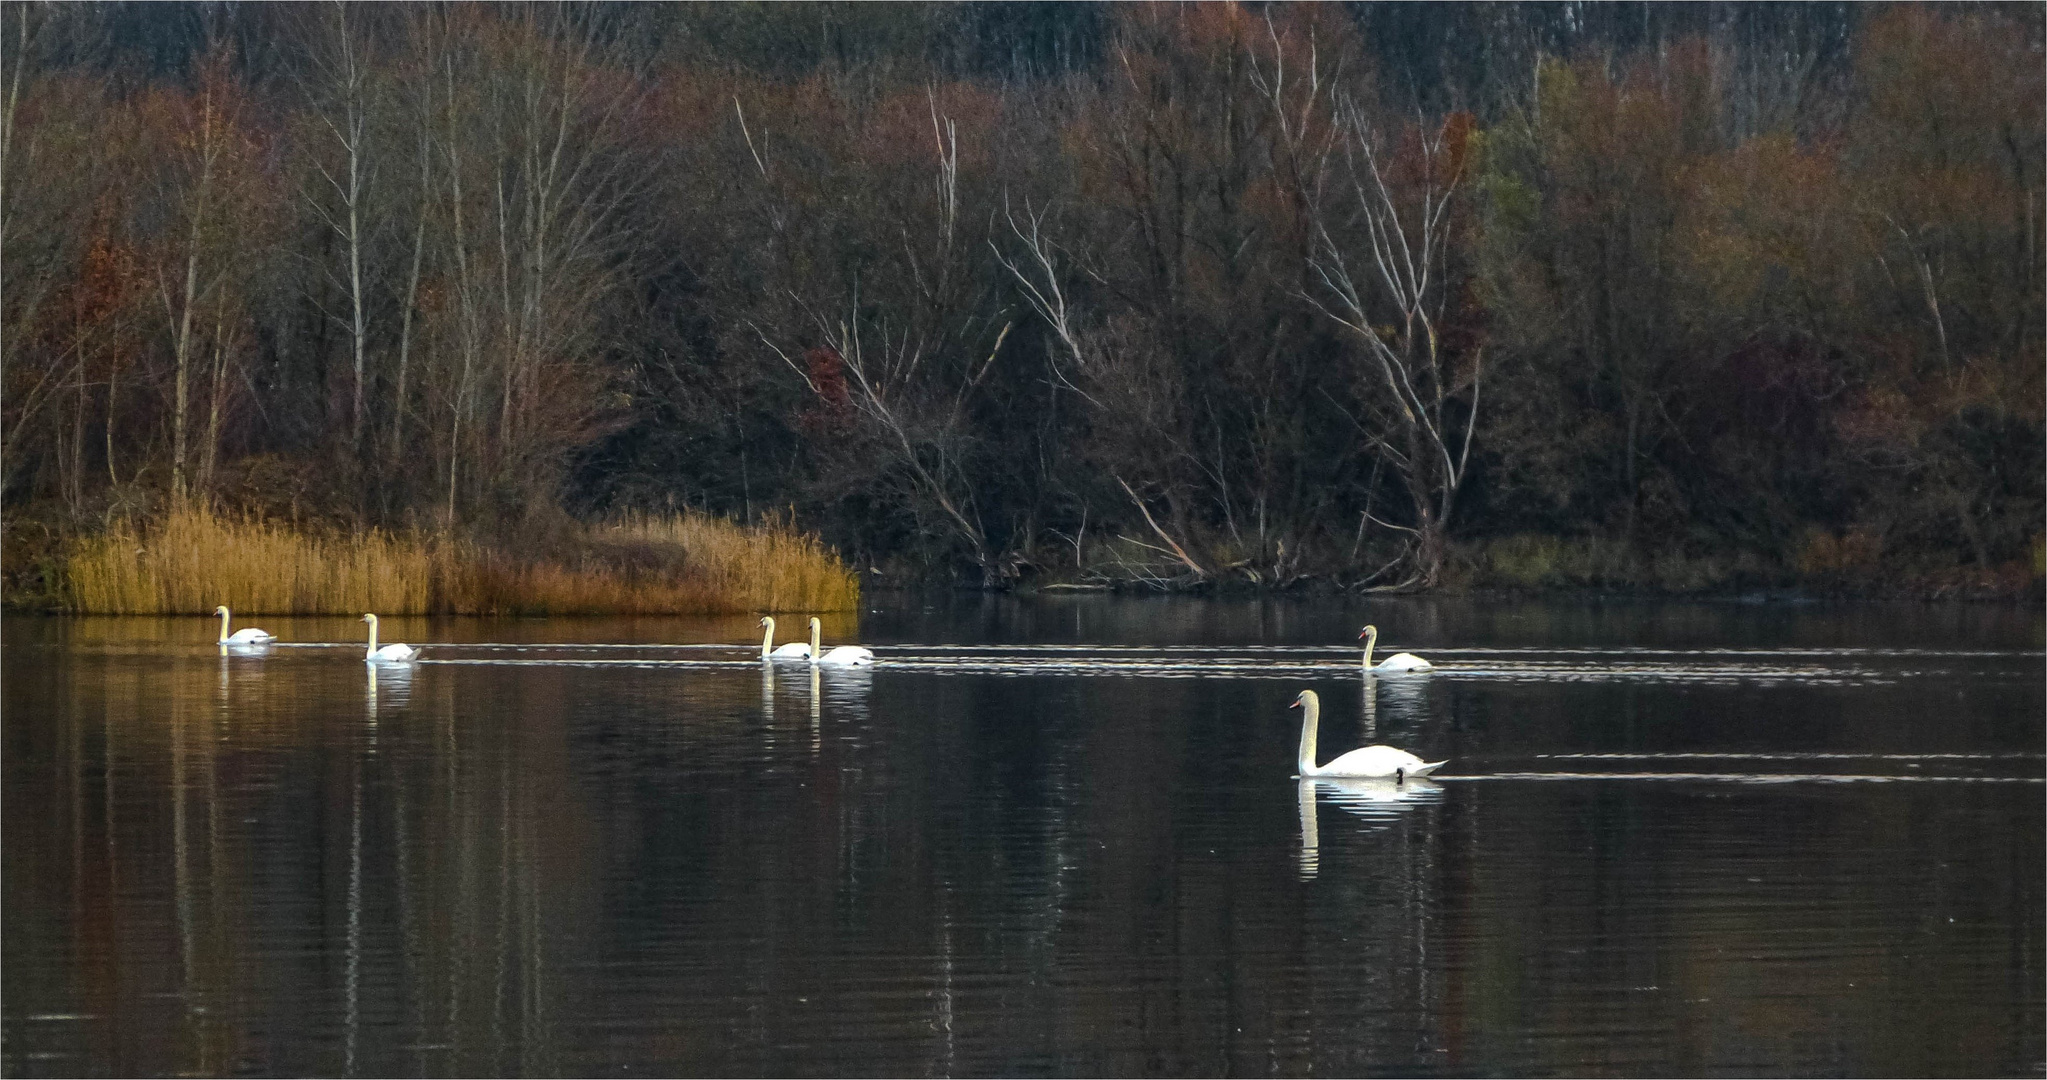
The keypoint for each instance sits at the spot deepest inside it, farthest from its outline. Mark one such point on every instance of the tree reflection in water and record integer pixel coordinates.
(263, 864)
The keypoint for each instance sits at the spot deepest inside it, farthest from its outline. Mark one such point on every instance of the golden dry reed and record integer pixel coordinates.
(683, 564)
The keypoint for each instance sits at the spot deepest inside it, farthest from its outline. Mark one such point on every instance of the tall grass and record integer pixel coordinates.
(690, 563)
(770, 567)
(192, 560)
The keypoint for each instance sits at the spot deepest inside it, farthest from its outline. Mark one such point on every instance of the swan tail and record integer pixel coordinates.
(1427, 767)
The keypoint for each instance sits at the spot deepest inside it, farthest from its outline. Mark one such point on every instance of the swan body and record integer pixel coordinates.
(843, 656)
(1378, 762)
(1394, 664)
(247, 635)
(1371, 761)
(394, 653)
(795, 650)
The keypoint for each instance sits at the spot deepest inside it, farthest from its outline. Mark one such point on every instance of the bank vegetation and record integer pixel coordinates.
(189, 560)
(1641, 297)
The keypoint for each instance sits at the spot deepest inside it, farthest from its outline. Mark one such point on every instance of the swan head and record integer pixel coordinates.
(816, 623)
(1369, 632)
(221, 610)
(368, 618)
(765, 621)
(1305, 698)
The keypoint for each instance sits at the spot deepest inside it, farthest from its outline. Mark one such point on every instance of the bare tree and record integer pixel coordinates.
(910, 362)
(1133, 391)
(203, 183)
(34, 254)
(534, 165)
(926, 434)
(1390, 286)
(422, 121)
(340, 102)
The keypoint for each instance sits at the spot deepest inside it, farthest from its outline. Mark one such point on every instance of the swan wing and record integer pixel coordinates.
(1374, 761)
(249, 635)
(795, 650)
(1406, 661)
(395, 654)
(848, 655)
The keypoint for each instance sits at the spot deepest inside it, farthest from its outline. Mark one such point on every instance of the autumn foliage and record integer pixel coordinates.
(1639, 297)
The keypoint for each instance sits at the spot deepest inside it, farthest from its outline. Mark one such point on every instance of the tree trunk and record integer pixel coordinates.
(212, 453)
(113, 392)
(183, 354)
(1430, 544)
(405, 339)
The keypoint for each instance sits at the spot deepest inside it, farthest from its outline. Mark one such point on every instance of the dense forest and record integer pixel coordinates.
(1678, 296)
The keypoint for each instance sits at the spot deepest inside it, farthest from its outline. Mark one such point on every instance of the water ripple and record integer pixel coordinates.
(1798, 756)
(1255, 662)
(1750, 778)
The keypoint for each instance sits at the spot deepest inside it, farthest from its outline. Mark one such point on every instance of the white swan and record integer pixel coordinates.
(1379, 761)
(843, 656)
(247, 635)
(1406, 661)
(795, 650)
(393, 653)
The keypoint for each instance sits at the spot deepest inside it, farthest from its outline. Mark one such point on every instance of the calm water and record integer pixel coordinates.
(1057, 836)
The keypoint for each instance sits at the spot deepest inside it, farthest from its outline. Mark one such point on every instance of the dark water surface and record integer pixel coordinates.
(1055, 836)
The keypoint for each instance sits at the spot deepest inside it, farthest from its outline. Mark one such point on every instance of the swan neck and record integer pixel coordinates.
(1311, 718)
(767, 635)
(223, 624)
(816, 640)
(1371, 639)
(372, 650)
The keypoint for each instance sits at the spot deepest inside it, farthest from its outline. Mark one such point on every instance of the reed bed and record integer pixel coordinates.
(688, 563)
(773, 566)
(192, 560)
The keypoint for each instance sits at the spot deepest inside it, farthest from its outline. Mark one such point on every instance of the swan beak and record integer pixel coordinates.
(1362, 633)
(1295, 704)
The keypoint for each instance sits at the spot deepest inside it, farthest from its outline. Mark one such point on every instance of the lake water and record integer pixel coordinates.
(1055, 836)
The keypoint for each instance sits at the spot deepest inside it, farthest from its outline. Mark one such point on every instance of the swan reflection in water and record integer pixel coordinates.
(816, 712)
(390, 687)
(1379, 802)
(845, 690)
(1405, 702)
(842, 691)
